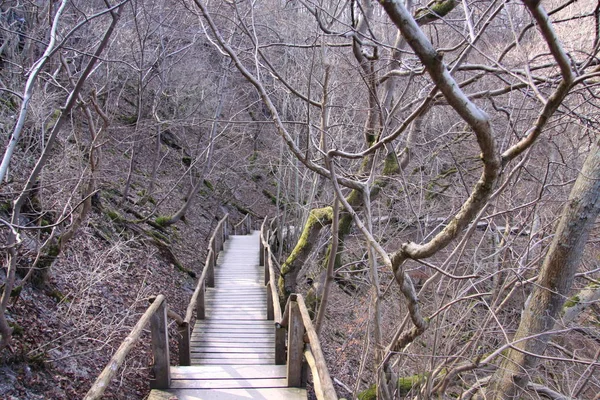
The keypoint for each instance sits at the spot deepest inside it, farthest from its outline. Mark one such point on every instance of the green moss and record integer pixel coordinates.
(43, 224)
(128, 119)
(434, 10)
(321, 216)
(390, 165)
(16, 291)
(208, 185)
(17, 329)
(53, 250)
(57, 295)
(5, 207)
(435, 188)
(159, 236)
(114, 216)
(354, 197)
(52, 120)
(369, 394)
(162, 220)
(270, 195)
(186, 160)
(405, 384)
(572, 302)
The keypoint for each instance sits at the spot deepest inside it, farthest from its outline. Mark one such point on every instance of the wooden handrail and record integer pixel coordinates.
(296, 320)
(270, 275)
(320, 368)
(156, 315)
(246, 225)
(273, 306)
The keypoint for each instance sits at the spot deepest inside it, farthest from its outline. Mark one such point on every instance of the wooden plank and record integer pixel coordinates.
(215, 330)
(232, 337)
(228, 315)
(232, 349)
(230, 394)
(235, 322)
(228, 384)
(228, 372)
(233, 361)
(198, 341)
(160, 347)
(238, 332)
(234, 306)
(295, 345)
(232, 333)
(234, 356)
(213, 346)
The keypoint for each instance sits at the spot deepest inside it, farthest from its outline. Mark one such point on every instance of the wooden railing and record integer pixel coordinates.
(296, 320)
(244, 227)
(156, 315)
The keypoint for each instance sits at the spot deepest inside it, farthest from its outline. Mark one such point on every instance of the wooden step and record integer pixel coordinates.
(228, 372)
(229, 394)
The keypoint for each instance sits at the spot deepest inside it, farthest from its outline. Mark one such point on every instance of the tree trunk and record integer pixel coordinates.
(545, 303)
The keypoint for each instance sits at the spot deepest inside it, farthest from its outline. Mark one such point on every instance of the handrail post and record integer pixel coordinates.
(184, 344)
(266, 256)
(200, 309)
(270, 309)
(280, 354)
(295, 345)
(261, 250)
(210, 274)
(160, 348)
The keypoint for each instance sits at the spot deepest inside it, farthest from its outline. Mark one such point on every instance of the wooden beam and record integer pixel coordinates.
(210, 273)
(295, 345)
(160, 348)
(321, 370)
(184, 344)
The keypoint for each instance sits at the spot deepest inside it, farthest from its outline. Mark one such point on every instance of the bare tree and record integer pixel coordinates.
(13, 238)
(453, 89)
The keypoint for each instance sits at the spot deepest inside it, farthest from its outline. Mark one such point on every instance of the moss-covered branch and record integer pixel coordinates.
(317, 218)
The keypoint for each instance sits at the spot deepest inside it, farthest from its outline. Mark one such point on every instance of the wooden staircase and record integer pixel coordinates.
(243, 346)
(233, 348)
